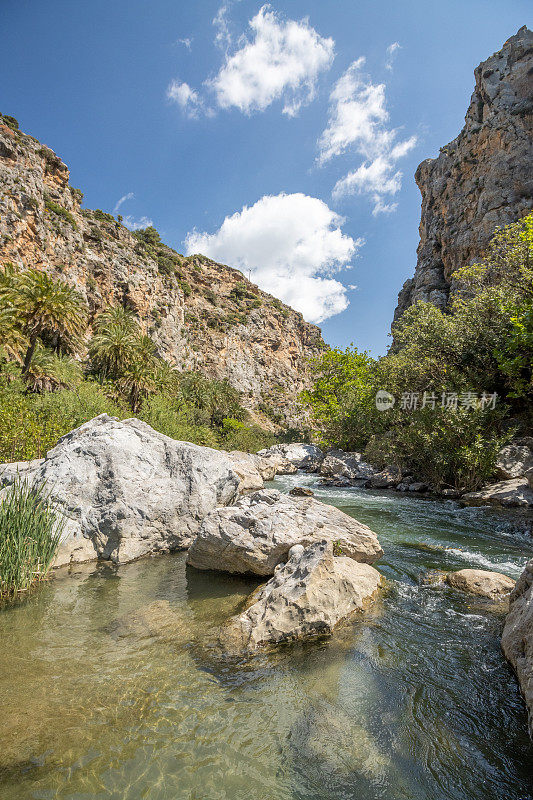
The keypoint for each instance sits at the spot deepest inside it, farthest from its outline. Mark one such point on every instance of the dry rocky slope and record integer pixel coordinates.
(202, 315)
(479, 181)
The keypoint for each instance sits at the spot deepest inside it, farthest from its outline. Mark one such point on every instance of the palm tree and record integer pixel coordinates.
(114, 342)
(12, 340)
(46, 307)
(137, 381)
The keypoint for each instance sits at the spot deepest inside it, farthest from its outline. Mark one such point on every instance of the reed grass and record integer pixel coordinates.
(30, 532)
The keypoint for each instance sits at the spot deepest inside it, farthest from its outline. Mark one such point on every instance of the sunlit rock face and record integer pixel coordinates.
(480, 180)
(202, 315)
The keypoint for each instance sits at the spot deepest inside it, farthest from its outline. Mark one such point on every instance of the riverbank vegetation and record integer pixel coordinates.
(461, 378)
(30, 529)
(55, 375)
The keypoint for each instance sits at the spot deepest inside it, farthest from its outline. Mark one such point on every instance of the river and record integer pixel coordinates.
(413, 701)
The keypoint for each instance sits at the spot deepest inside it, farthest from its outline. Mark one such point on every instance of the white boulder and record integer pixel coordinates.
(307, 597)
(255, 535)
(514, 460)
(514, 493)
(300, 455)
(341, 464)
(481, 582)
(127, 490)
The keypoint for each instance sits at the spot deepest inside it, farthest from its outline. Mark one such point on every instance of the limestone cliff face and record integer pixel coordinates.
(202, 315)
(481, 180)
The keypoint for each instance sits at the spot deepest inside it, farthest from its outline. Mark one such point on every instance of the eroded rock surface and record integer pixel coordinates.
(341, 464)
(481, 582)
(300, 455)
(509, 494)
(517, 637)
(308, 596)
(479, 181)
(201, 315)
(127, 490)
(255, 535)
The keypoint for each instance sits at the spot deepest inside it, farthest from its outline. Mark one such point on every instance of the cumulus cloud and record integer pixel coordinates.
(391, 54)
(187, 98)
(281, 60)
(186, 43)
(358, 119)
(292, 245)
(128, 196)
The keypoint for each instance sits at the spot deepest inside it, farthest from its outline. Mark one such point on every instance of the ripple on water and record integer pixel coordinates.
(111, 684)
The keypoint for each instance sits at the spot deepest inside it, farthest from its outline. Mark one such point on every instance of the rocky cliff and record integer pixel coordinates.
(481, 180)
(202, 315)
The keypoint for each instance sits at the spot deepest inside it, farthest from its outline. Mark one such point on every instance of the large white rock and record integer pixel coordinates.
(276, 461)
(517, 637)
(302, 456)
(127, 490)
(255, 535)
(342, 464)
(248, 468)
(514, 493)
(482, 582)
(306, 597)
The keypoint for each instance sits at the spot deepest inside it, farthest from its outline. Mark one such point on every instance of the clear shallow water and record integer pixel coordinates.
(104, 695)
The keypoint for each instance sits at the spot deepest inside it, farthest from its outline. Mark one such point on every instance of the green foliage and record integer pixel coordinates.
(103, 216)
(443, 447)
(185, 288)
(168, 414)
(30, 532)
(59, 211)
(149, 237)
(243, 291)
(44, 309)
(484, 343)
(343, 391)
(11, 122)
(236, 435)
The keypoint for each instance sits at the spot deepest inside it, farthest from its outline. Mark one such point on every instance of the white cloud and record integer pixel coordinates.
(122, 200)
(281, 60)
(186, 97)
(358, 119)
(292, 244)
(186, 43)
(220, 21)
(136, 224)
(391, 54)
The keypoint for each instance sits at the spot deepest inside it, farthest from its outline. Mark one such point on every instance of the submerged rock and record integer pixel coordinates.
(341, 464)
(515, 493)
(517, 637)
(255, 535)
(301, 491)
(481, 582)
(156, 619)
(127, 490)
(300, 455)
(306, 597)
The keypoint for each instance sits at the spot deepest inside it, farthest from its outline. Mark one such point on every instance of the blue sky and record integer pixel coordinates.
(280, 139)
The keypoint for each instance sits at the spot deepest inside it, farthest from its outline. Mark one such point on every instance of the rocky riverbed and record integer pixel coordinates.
(113, 680)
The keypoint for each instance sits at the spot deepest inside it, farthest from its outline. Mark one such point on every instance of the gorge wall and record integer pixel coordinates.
(481, 180)
(202, 315)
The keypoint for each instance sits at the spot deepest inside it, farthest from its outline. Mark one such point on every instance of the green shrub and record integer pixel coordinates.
(103, 216)
(236, 435)
(30, 532)
(11, 122)
(59, 211)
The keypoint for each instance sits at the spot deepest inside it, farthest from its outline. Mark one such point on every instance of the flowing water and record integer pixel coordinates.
(112, 684)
